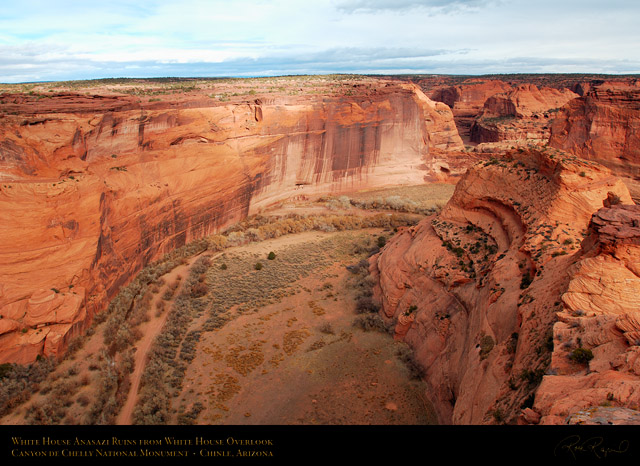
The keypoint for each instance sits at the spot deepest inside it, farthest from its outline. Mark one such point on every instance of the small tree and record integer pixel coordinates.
(581, 355)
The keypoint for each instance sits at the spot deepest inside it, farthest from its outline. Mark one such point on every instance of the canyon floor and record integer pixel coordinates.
(300, 360)
(287, 350)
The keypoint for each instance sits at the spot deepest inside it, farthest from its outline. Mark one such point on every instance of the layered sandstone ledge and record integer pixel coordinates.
(95, 186)
(604, 125)
(600, 313)
(485, 292)
(594, 117)
(523, 115)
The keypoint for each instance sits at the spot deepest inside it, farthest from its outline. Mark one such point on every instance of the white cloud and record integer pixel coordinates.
(79, 39)
(434, 6)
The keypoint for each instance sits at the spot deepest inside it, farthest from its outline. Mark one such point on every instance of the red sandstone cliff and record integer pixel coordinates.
(467, 99)
(604, 125)
(600, 313)
(523, 114)
(93, 187)
(496, 279)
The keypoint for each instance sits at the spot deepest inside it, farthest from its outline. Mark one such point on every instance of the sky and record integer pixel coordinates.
(53, 40)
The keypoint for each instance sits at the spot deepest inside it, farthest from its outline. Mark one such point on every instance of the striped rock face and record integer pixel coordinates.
(604, 125)
(95, 186)
(524, 291)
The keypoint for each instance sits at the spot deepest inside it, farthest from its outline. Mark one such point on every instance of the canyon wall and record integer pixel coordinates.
(604, 125)
(467, 99)
(94, 187)
(522, 115)
(485, 292)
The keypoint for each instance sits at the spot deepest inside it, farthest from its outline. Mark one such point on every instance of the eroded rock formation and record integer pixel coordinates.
(604, 125)
(93, 187)
(596, 341)
(467, 99)
(522, 115)
(484, 291)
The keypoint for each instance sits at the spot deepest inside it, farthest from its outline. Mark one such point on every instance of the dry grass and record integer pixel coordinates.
(217, 291)
(422, 199)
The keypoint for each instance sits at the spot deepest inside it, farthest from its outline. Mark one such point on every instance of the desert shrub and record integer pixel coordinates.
(140, 312)
(406, 355)
(74, 346)
(271, 256)
(532, 377)
(343, 202)
(581, 355)
(217, 242)
(526, 281)
(5, 370)
(370, 322)
(497, 415)
(486, 345)
(53, 409)
(199, 289)
(254, 234)
(258, 266)
(170, 291)
(399, 204)
(548, 342)
(188, 349)
(382, 241)
(236, 238)
(327, 328)
(200, 266)
(190, 417)
(19, 382)
(614, 199)
(366, 304)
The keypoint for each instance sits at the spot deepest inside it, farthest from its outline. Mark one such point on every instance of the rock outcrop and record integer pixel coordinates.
(522, 115)
(604, 125)
(484, 291)
(467, 99)
(93, 187)
(597, 338)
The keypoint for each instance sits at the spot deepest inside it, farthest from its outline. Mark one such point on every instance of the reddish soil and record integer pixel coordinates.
(300, 361)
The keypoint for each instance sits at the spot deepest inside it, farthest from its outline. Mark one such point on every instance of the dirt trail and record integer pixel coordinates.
(150, 330)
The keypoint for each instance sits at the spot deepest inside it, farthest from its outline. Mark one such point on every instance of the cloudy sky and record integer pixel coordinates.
(43, 40)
